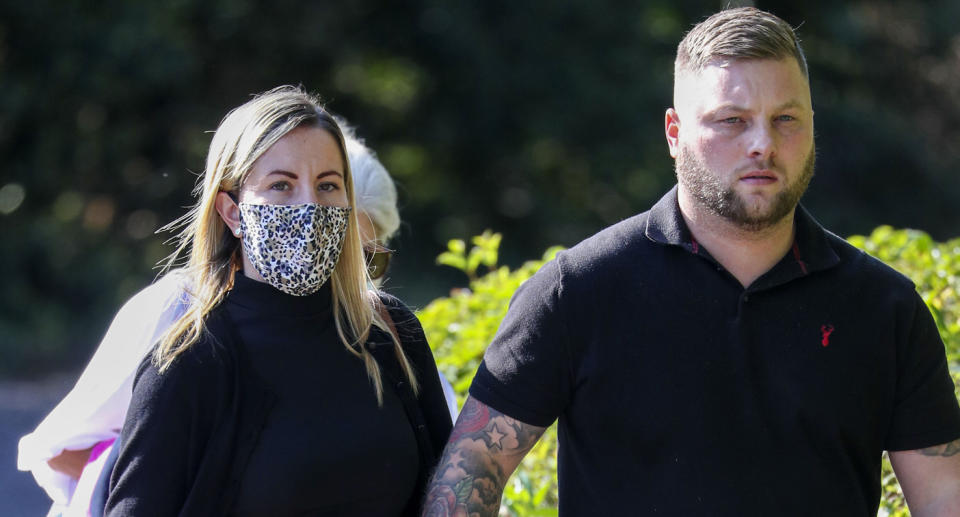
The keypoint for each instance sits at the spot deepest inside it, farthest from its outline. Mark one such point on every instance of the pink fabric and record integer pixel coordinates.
(80, 502)
(99, 449)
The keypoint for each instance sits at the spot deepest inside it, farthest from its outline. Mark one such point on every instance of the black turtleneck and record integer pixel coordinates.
(267, 413)
(326, 447)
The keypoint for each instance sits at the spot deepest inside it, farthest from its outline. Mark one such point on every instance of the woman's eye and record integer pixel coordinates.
(327, 187)
(280, 186)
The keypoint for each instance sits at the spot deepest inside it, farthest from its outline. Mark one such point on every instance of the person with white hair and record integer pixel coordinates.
(67, 451)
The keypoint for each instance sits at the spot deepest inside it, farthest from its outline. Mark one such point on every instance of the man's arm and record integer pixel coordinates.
(483, 450)
(930, 479)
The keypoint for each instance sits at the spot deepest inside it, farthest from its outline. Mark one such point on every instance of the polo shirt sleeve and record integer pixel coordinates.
(926, 412)
(525, 373)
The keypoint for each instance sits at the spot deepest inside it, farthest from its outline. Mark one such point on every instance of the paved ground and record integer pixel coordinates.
(22, 406)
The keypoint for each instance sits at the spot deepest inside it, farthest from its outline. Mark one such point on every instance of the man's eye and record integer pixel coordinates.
(786, 118)
(732, 120)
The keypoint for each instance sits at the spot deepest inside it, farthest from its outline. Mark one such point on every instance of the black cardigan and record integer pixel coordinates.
(215, 373)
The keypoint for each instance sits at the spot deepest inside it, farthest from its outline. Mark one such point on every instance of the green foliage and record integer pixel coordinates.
(460, 326)
(484, 252)
(544, 117)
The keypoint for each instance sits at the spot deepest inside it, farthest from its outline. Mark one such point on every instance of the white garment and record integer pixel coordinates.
(451, 397)
(95, 408)
(87, 484)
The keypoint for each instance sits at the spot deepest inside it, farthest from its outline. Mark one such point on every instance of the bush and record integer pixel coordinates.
(459, 328)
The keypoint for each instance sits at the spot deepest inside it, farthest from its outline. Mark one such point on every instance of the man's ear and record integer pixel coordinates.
(229, 212)
(672, 130)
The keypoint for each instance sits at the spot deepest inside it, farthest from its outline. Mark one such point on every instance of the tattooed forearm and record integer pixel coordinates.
(945, 449)
(484, 449)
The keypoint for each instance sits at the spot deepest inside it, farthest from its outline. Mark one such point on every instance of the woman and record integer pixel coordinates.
(283, 388)
(84, 424)
(74, 440)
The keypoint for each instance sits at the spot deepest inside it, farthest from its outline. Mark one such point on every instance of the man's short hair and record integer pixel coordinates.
(741, 33)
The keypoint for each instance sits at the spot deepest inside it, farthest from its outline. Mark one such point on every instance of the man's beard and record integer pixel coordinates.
(710, 192)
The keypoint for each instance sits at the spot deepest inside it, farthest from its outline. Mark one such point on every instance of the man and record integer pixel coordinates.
(720, 354)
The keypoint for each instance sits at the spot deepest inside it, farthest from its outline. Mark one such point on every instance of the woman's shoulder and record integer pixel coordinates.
(206, 362)
(388, 300)
(396, 307)
(406, 322)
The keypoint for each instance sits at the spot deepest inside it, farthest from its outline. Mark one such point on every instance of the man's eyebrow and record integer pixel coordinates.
(725, 107)
(790, 105)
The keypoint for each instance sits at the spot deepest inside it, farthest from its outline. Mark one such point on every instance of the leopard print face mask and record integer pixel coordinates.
(293, 247)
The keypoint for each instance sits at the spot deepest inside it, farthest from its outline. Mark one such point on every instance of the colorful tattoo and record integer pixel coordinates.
(484, 449)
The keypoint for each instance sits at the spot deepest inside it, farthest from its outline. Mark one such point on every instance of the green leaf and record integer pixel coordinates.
(463, 488)
(457, 246)
(450, 259)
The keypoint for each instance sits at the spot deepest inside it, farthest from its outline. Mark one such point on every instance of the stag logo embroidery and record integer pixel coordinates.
(825, 331)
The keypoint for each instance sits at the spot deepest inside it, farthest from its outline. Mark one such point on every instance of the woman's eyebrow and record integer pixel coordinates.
(293, 175)
(282, 172)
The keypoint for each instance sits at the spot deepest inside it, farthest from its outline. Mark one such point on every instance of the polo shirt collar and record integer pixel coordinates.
(811, 242)
(811, 245)
(665, 224)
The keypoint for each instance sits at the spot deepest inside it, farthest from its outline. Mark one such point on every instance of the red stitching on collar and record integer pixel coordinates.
(796, 256)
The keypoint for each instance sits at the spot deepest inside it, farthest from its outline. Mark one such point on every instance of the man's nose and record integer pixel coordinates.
(762, 143)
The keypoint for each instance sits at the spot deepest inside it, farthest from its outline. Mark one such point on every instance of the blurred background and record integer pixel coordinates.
(542, 120)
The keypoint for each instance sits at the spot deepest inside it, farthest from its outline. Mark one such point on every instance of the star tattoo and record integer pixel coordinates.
(496, 437)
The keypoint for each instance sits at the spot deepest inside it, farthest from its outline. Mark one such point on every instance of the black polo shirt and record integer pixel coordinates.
(679, 392)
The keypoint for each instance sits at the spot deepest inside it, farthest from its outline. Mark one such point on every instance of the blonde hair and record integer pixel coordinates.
(214, 253)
